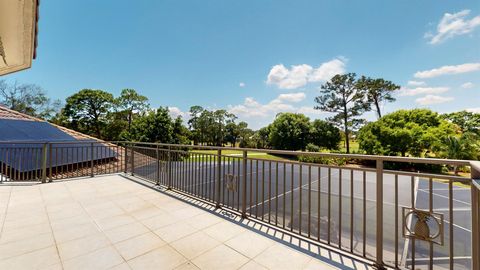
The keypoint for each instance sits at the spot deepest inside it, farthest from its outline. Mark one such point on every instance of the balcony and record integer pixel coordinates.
(175, 207)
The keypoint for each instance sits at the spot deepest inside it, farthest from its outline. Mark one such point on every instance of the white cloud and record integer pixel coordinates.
(416, 83)
(292, 97)
(289, 79)
(431, 99)
(299, 75)
(467, 85)
(175, 112)
(309, 110)
(451, 25)
(242, 84)
(463, 68)
(327, 70)
(474, 110)
(255, 111)
(422, 91)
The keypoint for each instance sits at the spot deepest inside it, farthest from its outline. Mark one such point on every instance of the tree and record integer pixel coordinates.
(417, 132)
(195, 112)
(155, 126)
(289, 131)
(132, 103)
(231, 133)
(466, 121)
(342, 96)
(180, 134)
(87, 110)
(209, 126)
(220, 119)
(262, 137)
(29, 99)
(378, 91)
(245, 135)
(325, 134)
(465, 147)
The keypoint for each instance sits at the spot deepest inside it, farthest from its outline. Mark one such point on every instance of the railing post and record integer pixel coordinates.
(44, 163)
(125, 156)
(379, 213)
(50, 155)
(91, 159)
(475, 190)
(244, 184)
(169, 168)
(132, 159)
(158, 167)
(218, 178)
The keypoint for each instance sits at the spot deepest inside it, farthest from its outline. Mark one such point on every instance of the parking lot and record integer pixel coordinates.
(314, 202)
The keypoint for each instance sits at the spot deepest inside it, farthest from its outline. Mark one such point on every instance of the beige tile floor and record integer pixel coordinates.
(110, 222)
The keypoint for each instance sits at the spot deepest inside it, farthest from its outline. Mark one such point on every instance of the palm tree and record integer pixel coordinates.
(464, 147)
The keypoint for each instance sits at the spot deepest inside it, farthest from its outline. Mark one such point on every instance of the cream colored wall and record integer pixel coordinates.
(17, 23)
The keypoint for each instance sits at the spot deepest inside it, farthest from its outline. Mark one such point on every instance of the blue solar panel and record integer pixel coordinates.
(19, 130)
(27, 156)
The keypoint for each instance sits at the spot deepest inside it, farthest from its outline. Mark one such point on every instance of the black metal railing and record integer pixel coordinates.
(48, 161)
(390, 217)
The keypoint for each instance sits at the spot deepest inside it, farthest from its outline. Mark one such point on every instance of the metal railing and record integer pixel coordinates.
(48, 161)
(369, 208)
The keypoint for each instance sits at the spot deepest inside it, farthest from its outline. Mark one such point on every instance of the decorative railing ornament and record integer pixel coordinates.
(2, 52)
(231, 182)
(423, 225)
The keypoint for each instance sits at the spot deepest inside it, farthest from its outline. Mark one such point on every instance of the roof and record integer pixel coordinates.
(6, 113)
(30, 132)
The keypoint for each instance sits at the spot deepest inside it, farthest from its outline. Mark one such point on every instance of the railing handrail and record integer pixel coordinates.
(475, 203)
(438, 161)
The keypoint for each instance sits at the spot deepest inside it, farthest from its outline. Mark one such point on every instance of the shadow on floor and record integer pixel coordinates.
(322, 252)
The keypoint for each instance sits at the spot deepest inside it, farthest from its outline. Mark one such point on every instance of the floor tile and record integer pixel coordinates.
(165, 256)
(281, 257)
(187, 266)
(103, 258)
(224, 231)
(122, 266)
(27, 245)
(317, 264)
(125, 232)
(249, 243)
(203, 221)
(159, 221)
(195, 244)
(75, 232)
(175, 231)
(138, 245)
(252, 265)
(115, 221)
(221, 257)
(147, 212)
(38, 259)
(81, 246)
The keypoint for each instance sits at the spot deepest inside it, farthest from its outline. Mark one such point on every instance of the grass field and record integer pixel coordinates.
(239, 153)
(353, 147)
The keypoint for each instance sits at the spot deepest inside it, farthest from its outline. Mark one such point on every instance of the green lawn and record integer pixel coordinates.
(353, 146)
(239, 153)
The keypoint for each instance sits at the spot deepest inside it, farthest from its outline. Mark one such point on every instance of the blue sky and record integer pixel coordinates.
(257, 58)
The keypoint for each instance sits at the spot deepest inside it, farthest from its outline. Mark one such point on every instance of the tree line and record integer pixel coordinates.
(417, 132)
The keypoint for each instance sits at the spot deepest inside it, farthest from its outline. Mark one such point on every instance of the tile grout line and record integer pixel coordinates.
(102, 231)
(6, 212)
(50, 224)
